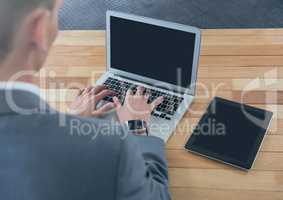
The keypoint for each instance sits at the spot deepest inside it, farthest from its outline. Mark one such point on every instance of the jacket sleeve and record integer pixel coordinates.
(142, 171)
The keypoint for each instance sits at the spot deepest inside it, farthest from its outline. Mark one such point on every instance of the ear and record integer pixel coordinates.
(39, 24)
(60, 3)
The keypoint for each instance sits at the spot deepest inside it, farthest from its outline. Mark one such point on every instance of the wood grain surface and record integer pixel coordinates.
(242, 65)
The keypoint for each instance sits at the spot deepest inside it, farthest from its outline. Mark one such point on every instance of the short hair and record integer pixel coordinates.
(12, 13)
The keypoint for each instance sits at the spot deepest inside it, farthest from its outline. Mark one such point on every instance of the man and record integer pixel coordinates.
(41, 160)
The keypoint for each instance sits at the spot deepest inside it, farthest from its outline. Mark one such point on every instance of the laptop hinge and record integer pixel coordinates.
(160, 87)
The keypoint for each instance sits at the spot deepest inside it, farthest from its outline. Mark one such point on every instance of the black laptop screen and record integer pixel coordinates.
(155, 52)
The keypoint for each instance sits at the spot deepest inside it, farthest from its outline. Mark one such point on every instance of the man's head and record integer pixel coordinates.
(27, 30)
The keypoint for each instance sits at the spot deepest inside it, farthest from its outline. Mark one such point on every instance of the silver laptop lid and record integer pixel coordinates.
(156, 52)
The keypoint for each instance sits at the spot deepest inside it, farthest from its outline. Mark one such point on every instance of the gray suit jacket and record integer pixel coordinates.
(82, 160)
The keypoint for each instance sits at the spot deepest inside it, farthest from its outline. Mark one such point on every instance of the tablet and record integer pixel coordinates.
(230, 132)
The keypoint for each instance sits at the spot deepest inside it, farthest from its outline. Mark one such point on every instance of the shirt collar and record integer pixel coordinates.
(22, 86)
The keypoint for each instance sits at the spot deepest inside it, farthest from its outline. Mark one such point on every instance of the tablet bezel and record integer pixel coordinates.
(223, 158)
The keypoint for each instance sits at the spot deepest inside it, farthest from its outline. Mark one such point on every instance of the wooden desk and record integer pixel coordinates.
(230, 60)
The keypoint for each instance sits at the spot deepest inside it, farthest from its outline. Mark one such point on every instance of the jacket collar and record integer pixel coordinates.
(21, 98)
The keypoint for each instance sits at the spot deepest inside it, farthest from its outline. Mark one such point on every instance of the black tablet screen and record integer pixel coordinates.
(230, 132)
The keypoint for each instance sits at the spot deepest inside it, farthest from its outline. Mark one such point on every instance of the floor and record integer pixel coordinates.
(90, 14)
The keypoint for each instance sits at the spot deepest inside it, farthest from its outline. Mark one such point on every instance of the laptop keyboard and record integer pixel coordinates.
(165, 110)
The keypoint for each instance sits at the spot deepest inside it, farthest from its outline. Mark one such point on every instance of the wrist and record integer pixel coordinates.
(138, 127)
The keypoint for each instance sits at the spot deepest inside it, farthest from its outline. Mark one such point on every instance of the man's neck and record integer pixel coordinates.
(15, 68)
(20, 75)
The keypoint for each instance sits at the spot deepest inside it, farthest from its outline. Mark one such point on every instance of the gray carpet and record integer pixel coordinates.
(90, 14)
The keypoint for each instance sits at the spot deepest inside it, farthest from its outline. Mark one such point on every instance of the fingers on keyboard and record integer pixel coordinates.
(169, 105)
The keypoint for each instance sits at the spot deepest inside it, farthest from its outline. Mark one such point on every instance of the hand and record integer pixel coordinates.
(86, 102)
(136, 106)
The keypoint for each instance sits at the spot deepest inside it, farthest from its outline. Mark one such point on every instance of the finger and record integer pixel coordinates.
(86, 90)
(129, 95)
(146, 97)
(104, 109)
(129, 92)
(148, 92)
(89, 99)
(140, 91)
(80, 92)
(83, 91)
(98, 89)
(157, 102)
(117, 102)
(104, 94)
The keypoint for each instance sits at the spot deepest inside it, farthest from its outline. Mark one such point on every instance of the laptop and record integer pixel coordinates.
(160, 56)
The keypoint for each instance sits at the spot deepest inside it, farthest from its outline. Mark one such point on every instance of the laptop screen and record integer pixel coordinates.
(152, 51)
